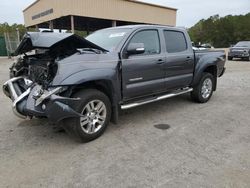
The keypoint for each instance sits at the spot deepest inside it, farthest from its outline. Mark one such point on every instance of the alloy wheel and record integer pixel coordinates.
(207, 88)
(94, 116)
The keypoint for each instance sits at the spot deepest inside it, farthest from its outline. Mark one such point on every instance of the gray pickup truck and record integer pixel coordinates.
(83, 84)
(240, 50)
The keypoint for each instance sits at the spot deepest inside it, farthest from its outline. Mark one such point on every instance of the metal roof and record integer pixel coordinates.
(134, 1)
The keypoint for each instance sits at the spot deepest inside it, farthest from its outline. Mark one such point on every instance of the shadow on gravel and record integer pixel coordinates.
(162, 126)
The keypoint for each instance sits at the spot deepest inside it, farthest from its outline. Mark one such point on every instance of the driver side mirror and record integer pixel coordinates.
(135, 48)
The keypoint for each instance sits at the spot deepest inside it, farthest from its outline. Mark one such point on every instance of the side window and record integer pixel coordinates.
(150, 39)
(175, 41)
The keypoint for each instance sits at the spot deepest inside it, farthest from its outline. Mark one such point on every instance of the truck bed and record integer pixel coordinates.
(218, 56)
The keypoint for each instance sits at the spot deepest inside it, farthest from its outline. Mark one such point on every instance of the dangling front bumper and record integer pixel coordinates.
(12, 90)
(49, 104)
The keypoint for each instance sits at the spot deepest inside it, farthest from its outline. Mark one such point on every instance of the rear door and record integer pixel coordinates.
(144, 74)
(179, 59)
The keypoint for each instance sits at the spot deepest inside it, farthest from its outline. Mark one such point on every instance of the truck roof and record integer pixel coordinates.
(138, 26)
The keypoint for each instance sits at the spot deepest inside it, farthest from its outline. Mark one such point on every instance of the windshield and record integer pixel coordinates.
(243, 44)
(108, 39)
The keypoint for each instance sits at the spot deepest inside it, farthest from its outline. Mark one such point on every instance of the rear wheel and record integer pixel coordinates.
(230, 58)
(95, 108)
(204, 90)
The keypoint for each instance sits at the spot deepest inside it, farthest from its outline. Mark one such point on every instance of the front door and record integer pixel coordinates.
(144, 74)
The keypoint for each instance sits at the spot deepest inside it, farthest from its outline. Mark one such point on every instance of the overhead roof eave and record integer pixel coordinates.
(134, 1)
(152, 4)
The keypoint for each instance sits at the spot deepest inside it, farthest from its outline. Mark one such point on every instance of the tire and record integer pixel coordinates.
(230, 58)
(94, 123)
(204, 90)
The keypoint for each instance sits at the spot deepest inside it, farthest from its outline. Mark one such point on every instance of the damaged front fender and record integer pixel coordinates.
(55, 107)
(59, 108)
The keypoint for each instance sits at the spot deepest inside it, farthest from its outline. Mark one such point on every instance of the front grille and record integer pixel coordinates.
(237, 53)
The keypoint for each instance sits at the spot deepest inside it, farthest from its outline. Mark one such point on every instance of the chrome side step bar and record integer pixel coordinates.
(169, 95)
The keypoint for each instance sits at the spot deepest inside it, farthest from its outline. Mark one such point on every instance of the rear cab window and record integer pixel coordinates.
(175, 41)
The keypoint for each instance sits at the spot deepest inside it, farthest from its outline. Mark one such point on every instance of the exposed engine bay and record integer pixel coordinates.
(40, 69)
(41, 66)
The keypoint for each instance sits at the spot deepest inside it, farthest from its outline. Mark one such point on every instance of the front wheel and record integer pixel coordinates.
(204, 90)
(95, 108)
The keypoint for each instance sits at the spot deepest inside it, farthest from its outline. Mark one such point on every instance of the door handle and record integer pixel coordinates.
(188, 59)
(160, 61)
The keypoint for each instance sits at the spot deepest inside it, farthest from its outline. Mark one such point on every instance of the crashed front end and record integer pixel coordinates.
(38, 102)
(30, 86)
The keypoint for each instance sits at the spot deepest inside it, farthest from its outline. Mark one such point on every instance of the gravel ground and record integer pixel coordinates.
(207, 145)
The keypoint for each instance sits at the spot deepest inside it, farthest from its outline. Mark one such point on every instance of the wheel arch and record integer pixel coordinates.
(106, 87)
(210, 68)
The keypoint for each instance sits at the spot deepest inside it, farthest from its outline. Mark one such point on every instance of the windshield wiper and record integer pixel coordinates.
(91, 50)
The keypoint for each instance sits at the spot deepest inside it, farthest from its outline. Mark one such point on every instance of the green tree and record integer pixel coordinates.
(221, 31)
(12, 29)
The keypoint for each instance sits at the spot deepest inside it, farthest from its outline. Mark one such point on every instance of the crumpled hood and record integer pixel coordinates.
(86, 64)
(48, 40)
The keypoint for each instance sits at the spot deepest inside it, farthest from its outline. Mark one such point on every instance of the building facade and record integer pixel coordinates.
(90, 15)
